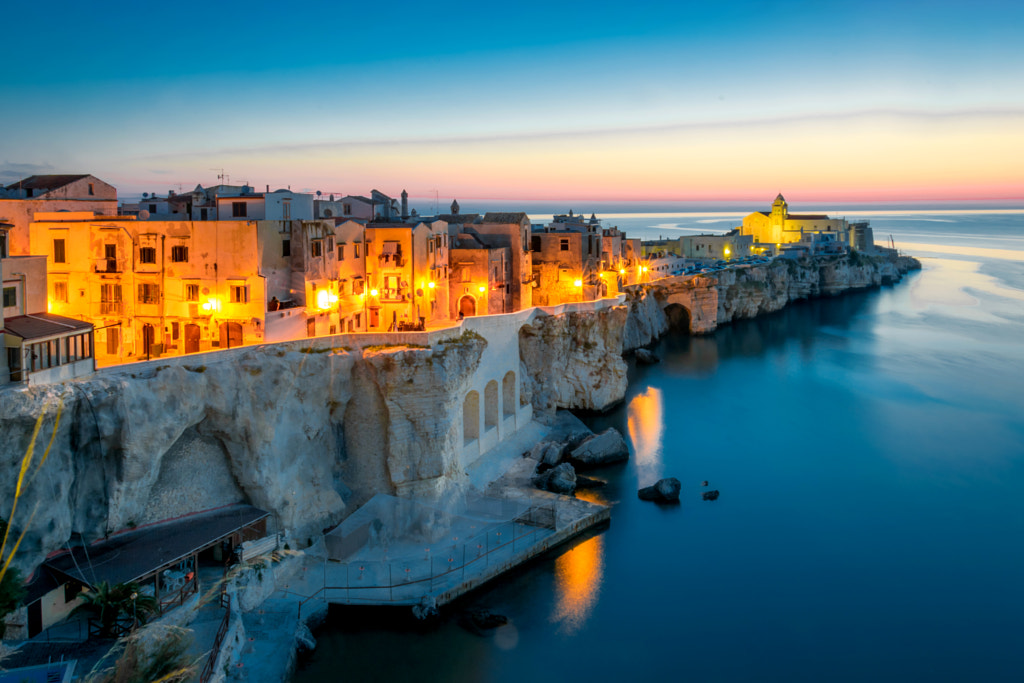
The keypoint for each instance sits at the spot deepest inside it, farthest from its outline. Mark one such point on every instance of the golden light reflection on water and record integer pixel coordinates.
(645, 423)
(578, 577)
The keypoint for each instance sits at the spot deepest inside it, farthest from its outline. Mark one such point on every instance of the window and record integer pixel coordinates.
(330, 244)
(286, 248)
(238, 210)
(179, 254)
(355, 250)
(286, 207)
(357, 286)
(317, 248)
(3, 244)
(60, 292)
(152, 208)
(10, 297)
(58, 251)
(149, 294)
(341, 252)
(239, 294)
(191, 292)
(535, 243)
(204, 214)
(563, 245)
(92, 191)
(430, 247)
(147, 254)
(175, 331)
(346, 209)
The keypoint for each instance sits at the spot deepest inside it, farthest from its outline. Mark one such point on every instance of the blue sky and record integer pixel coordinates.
(498, 100)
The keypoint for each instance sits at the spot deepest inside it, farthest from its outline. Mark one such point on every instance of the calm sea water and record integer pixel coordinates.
(869, 450)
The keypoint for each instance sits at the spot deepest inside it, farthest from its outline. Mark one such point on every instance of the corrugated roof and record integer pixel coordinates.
(134, 554)
(39, 325)
(45, 182)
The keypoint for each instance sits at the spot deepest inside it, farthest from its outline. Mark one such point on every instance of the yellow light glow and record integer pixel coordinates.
(578, 283)
(321, 299)
(727, 251)
(644, 269)
(483, 289)
(431, 285)
(211, 305)
(622, 271)
(374, 292)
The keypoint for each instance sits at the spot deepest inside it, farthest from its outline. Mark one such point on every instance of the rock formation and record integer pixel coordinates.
(664, 491)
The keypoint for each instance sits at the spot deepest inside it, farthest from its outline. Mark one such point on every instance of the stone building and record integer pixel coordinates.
(778, 226)
(480, 277)
(21, 201)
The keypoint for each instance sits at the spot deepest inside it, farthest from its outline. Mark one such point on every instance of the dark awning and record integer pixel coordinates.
(132, 555)
(40, 325)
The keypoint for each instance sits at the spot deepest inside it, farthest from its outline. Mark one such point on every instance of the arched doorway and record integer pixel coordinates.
(230, 335)
(678, 317)
(191, 338)
(147, 340)
(467, 306)
(471, 418)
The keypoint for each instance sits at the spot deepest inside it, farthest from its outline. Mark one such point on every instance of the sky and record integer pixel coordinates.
(659, 101)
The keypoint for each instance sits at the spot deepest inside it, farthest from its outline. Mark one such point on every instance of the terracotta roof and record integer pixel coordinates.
(39, 325)
(506, 217)
(45, 182)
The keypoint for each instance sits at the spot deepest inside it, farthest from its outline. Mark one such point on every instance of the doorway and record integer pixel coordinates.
(467, 306)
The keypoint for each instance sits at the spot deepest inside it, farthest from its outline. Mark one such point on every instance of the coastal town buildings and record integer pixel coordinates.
(480, 276)
(567, 260)
(37, 346)
(21, 201)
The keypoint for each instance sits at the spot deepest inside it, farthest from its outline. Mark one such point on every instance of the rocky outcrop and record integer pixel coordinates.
(573, 360)
(560, 479)
(605, 448)
(699, 304)
(292, 429)
(646, 357)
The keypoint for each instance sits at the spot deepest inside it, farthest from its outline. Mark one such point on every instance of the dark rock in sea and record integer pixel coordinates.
(710, 495)
(600, 449)
(645, 357)
(481, 621)
(561, 479)
(589, 483)
(704, 483)
(665, 491)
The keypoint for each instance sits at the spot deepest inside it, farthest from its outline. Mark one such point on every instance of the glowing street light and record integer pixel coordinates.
(374, 292)
(483, 288)
(431, 285)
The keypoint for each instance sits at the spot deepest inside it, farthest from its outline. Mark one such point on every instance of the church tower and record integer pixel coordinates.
(780, 211)
(405, 204)
(455, 207)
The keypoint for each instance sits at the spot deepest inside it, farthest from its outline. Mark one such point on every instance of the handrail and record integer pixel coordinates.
(218, 640)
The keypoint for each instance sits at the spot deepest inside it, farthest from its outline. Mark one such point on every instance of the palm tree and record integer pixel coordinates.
(108, 603)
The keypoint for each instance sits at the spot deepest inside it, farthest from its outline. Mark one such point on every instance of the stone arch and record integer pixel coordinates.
(508, 394)
(471, 417)
(491, 405)
(678, 317)
(467, 306)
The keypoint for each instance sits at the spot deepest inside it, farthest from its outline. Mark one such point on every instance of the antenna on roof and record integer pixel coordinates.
(223, 177)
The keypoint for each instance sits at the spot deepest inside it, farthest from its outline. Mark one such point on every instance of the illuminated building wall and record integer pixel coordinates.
(401, 262)
(511, 230)
(480, 275)
(154, 288)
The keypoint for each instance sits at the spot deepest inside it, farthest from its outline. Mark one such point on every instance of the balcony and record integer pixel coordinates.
(106, 265)
(391, 260)
(111, 308)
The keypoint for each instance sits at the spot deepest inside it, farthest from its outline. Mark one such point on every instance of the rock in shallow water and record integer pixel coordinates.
(481, 621)
(645, 357)
(601, 449)
(710, 495)
(665, 491)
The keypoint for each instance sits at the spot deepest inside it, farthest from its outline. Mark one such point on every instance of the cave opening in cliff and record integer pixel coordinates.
(678, 317)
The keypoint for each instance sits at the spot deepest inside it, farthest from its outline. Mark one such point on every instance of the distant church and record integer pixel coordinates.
(779, 226)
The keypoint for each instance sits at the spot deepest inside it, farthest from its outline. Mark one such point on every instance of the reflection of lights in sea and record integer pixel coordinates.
(578, 576)
(645, 423)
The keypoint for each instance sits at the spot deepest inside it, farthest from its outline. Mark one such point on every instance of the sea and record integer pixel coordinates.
(869, 454)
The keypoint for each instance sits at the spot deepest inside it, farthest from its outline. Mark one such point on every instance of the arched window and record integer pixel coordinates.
(491, 405)
(508, 394)
(471, 417)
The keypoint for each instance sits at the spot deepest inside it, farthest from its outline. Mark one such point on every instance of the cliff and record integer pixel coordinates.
(293, 429)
